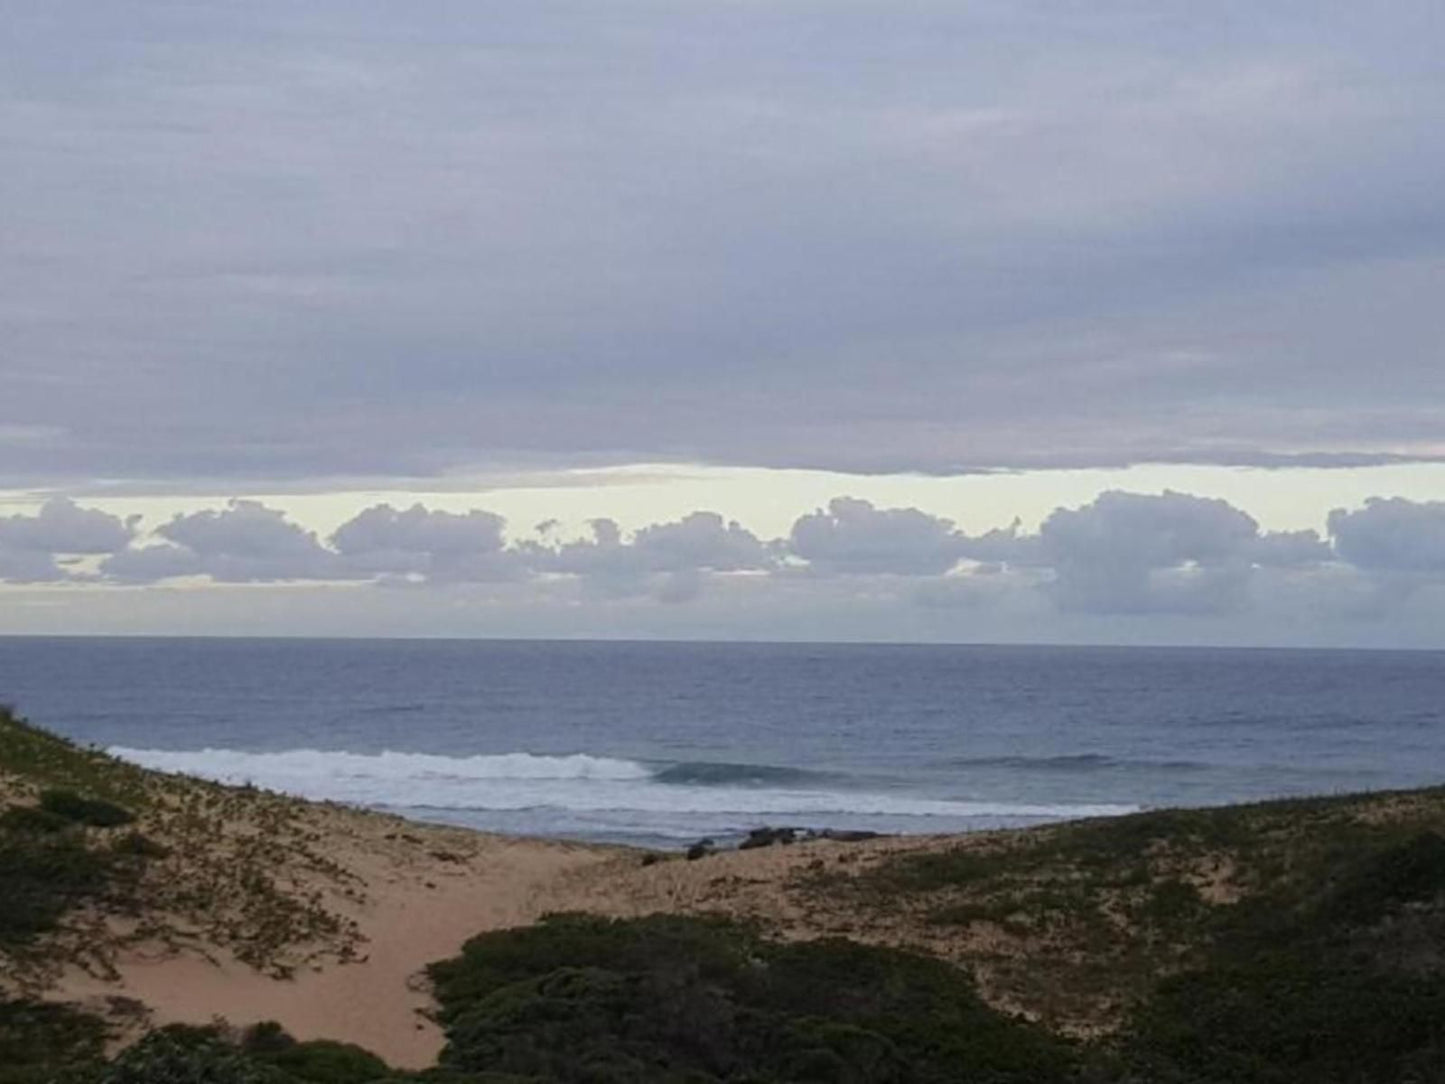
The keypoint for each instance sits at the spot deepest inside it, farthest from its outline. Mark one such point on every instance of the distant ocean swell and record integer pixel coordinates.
(580, 783)
(1077, 762)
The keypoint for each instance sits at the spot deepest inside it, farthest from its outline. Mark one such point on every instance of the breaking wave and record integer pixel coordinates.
(578, 783)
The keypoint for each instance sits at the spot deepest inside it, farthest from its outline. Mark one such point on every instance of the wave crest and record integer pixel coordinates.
(233, 765)
(576, 783)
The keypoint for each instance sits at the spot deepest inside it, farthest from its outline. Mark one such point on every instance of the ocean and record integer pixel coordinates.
(660, 744)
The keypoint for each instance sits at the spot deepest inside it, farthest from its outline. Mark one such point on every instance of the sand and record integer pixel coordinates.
(418, 908)
(426, 890)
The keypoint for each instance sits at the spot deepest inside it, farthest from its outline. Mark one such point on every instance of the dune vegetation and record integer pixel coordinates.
(1270, 943)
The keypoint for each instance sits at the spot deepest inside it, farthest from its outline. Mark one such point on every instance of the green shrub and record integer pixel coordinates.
(140, 846)
(266, 1038)
(1409, 872)
(42, 877)
(93, 812)
(45, 1042)
(187, 1055)
(30, 818)
(1336, 980)
(668, 998)
(321, 1061)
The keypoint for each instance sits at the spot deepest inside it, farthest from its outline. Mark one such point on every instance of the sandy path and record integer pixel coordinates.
(430, 888)
(419, 909)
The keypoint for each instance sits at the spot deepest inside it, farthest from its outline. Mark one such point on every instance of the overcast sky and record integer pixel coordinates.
(725, 319)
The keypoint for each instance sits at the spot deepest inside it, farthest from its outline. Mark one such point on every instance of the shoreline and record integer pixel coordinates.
(423, 890)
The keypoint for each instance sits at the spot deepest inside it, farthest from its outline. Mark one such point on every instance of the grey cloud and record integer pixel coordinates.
(355, 239)
(433, 544)
(1150, 555)
(1392, 535)
(29, 566)
(246, 542)
(702, 540)
(151, 564)
(666, 559)
(852, 537)
(987, 587)
(62, 526)
(1170, 553)
(1004, 546)
(1290, 549)
(30, 545)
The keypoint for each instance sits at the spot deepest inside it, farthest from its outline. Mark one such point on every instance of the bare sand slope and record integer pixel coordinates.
(426, 891)
(423, 890)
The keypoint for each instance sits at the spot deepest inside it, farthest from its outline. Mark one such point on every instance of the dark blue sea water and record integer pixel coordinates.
(662, 743)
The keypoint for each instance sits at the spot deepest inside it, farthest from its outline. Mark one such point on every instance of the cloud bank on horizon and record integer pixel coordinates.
(340, 240)
(1121, 554)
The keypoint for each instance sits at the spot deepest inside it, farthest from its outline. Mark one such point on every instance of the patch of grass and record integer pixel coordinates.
(44, 759)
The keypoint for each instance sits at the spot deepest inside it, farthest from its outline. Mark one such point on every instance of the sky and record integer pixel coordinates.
(1115, 322)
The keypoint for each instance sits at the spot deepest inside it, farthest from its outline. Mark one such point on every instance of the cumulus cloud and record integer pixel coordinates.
(1392, 535)
(1290, 549)
(30, 566)
(37, 548)
(430, 544)
(668, 560)
(62, 526)
(852, 537)
(247, 542)
(1166, 553)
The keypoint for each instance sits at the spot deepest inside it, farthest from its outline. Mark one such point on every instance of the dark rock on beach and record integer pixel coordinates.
(767, 836)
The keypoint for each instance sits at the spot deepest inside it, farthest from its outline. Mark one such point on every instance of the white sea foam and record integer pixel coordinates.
(236, 765)
(578, 783)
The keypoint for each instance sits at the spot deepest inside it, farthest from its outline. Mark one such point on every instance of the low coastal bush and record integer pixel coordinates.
(1342, 980)
(668, 998)
(238, 891)
(48, 760)
(322, 1061)
(42, 877)
(93, 812)
(43, 1043)
(188, 1055)
(29, 818)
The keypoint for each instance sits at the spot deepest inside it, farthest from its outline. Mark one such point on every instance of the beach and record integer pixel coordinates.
(420, 892)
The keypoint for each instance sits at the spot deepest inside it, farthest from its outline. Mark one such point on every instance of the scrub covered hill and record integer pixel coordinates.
(97, 855)
(1270, 943)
